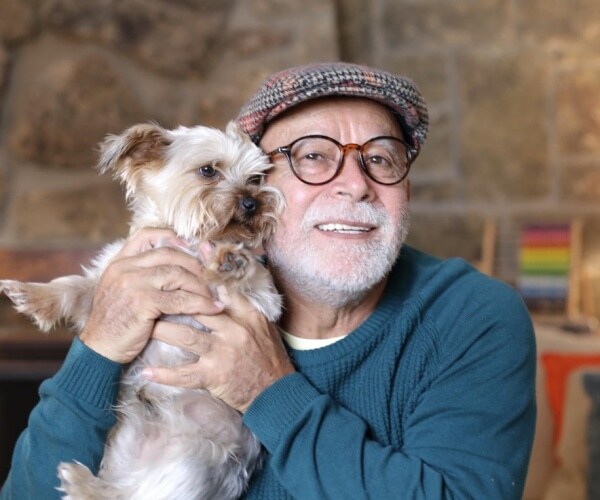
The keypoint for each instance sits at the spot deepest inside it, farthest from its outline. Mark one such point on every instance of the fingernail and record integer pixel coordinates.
(147, 373)
(218, 304)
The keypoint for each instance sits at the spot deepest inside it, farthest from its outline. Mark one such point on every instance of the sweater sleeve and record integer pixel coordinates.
(70, 422)
(474, 421)
(467, 433)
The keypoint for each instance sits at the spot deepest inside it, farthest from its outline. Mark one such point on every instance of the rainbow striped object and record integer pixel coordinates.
(544, 262)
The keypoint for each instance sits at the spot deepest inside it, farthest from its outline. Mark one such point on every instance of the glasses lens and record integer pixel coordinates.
(315, 159)
(386, 159)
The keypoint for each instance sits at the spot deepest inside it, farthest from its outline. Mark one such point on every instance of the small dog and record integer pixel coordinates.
(170, 442)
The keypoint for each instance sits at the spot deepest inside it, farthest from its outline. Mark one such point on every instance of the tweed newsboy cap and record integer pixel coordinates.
(299, 84)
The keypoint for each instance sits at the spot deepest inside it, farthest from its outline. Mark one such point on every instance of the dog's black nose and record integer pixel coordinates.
(250, 205)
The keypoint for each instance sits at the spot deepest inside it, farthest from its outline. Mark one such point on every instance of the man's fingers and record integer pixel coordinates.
(170, 277)
(181, 376)
(148, 238)
(164, 256)
(215, 323)
(164, 269)
(186, 336)
(184, 302)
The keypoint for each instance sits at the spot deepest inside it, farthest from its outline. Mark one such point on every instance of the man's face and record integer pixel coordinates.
(336, 241)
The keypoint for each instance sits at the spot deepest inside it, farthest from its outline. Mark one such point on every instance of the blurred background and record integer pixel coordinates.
(513, 88)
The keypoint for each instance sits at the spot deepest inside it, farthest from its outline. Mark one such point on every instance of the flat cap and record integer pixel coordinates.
(285, 89)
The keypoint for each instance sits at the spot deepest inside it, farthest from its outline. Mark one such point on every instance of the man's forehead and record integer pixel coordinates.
(332, 108)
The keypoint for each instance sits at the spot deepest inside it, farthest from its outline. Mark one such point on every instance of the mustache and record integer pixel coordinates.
(361, 213)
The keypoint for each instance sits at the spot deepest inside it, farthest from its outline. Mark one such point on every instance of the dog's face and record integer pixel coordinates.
(203, 183)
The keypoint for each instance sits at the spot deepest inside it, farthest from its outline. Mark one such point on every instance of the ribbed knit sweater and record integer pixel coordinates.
(431, 397)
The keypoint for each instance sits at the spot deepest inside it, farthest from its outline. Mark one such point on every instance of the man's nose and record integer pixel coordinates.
(352, 179)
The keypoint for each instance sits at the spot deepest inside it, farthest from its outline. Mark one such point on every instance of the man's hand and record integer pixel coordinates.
(141, 283)
(241, 356)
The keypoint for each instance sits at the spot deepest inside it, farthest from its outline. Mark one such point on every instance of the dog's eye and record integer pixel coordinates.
(255, 180)
(207, 171)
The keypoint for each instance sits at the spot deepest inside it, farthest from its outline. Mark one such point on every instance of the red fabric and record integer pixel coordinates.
(557, 368)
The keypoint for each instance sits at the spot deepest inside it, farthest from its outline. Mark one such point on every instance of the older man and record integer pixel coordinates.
(399, 375)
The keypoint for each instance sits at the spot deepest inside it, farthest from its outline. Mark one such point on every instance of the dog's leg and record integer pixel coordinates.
(236, 267)
(67, 298)
(78, 483)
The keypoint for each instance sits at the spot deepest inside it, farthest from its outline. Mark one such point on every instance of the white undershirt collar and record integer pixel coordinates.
(302, 344)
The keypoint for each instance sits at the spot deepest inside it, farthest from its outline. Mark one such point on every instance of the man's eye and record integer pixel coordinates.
(207, 171)
(314, 156)
(380, 161)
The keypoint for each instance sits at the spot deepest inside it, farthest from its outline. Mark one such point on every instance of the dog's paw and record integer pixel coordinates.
(74, 478)
(233, 263)
(229, 262)
(15, 291)
(32, 300)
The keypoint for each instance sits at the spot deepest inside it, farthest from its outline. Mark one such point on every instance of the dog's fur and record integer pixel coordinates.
(170, 442)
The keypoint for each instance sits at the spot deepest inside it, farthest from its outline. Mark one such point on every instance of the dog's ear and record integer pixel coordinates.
(140, 146)
(233, 130)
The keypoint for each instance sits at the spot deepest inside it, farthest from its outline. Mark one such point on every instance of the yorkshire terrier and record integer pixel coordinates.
(207, 186)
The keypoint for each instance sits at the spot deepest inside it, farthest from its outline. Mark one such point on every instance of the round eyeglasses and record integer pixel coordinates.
(318, 159)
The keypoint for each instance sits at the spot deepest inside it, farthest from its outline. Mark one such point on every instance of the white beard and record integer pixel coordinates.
(340, 274)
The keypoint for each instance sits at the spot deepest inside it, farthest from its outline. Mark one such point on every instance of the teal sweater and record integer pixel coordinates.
(431, 397)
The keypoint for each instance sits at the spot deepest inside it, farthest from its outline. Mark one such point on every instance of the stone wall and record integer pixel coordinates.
(513, 87)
